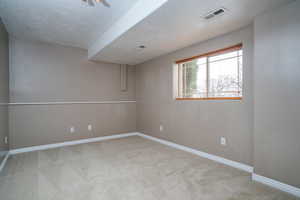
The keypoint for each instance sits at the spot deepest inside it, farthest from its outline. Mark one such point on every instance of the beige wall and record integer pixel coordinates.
(261, 130)
(4, 87)
(198, 124)
(277, 94)
(41, 72)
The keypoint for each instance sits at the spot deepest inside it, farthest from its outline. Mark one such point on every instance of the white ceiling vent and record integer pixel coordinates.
(215, 13)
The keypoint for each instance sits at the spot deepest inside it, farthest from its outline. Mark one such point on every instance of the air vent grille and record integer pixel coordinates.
(214, 13)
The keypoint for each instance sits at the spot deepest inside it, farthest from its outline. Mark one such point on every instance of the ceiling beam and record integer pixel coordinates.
(137, 13)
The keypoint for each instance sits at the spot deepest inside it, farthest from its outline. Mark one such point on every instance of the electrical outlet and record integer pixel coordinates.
(90, 127)
(161, 128)
(72, 129)
(223, 141)
(6, 140)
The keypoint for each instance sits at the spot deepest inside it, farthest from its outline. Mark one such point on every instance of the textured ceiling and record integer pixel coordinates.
(174, 25)
(178, 24)
(66, 22)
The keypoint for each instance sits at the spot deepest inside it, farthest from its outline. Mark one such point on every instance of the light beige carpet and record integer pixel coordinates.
(125, 169)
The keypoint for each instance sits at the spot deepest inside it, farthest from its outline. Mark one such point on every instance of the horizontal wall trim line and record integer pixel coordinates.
(69, 143)
(276, 184)
(2, 165)
(71, 102)
(215, 158)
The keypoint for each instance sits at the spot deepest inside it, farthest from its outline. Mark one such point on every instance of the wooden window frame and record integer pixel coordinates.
(209, 54)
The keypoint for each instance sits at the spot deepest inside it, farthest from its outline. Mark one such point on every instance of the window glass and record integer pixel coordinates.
(216, 76)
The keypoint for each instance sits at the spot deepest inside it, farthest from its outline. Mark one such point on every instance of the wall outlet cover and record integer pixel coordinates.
(6, 140)
(72, 129)
(90, 127)
(223, 141)
(161, 128)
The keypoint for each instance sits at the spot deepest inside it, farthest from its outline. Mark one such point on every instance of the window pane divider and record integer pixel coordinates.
(207, 76)
(224, 59)
(238, 72)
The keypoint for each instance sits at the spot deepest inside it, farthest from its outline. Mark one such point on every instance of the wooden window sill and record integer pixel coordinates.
(209, 98)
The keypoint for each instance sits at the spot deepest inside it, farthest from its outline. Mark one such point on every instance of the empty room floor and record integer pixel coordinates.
(129, 168)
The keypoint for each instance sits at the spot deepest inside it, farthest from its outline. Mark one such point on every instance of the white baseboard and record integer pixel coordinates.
(219, 159)
(225, 161)
(69, 143)
(4, 161)
(264, 180)
(276, 184)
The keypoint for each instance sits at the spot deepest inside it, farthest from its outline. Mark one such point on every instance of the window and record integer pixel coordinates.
(214, 75)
